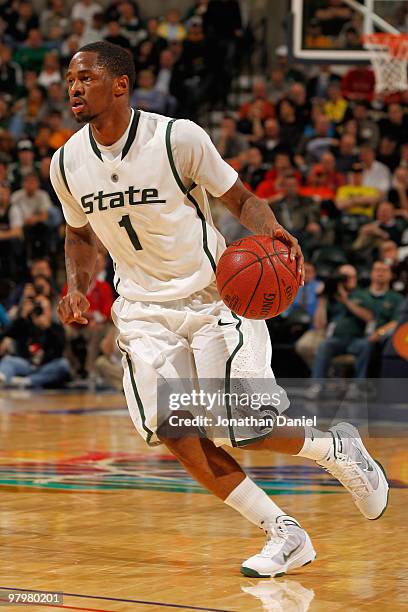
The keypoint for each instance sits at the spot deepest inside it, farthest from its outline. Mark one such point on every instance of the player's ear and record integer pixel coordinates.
(121, 85)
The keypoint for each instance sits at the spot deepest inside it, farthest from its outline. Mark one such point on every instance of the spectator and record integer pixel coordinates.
(385, 227)
(158, 43)
(299, 215)
(398, 194)
(311, 147)
(290, 129)
(38, 267)
(397, 259)
(270, 143)
(33, 205)
(357, 198)
(59, 134)
(308, 295)
(131, 24)
(165, 72)
(30, 55)
(327, 169)
(223, 28)
(367, 130)
(275, 177)
(95, 32)
(39, 346)
(251, 126)
(192, 75)
(259, 95)
(395, 125)
(230, 144)
(25, 164)
(375, 173)
(30, 113)
(85, 10)
(326, 311)
(11, 236)
(276, 88)
(171, 28)
(50, 72)
(146, 57)
(21, 20)
(253, 171)
(345, 155)
(377, 305)
(54, 17)
(388, 153)
(114, 34)
(11, 75)
(336, 106)
(298, 96)
(146, 96)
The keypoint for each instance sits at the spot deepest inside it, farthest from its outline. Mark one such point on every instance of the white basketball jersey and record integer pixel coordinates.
(148, 205)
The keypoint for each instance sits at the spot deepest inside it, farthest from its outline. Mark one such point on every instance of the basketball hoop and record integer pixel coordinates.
(389, 57)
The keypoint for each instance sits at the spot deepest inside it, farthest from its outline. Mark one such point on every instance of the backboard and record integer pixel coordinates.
(329, 31)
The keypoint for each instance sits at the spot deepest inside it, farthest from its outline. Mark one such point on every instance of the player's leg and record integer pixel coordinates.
(287, 547)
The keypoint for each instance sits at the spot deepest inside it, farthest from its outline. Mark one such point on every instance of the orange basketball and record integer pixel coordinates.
(255, 277)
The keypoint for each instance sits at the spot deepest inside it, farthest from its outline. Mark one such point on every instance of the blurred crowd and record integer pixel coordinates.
(327, 154)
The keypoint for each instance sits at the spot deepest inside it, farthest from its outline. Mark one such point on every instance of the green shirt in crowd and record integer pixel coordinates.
(384, 306)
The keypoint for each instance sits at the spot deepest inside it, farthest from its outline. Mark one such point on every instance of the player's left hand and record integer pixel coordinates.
(280, 233)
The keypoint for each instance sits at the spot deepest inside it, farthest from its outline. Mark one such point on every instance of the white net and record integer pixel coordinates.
(389, 57)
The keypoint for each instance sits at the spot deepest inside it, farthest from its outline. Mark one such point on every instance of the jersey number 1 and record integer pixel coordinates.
(127, 224)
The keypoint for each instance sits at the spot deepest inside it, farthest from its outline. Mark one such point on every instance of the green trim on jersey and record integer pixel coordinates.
(62, 168)
(136, 394)
(228, 377)
(132, 133)
(187, 193)
(129, 141)
(93, 144)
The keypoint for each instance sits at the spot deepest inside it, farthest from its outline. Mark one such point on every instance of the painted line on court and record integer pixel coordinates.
(60, 607)
(119, 600)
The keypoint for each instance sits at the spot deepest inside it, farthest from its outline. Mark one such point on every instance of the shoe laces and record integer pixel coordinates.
(276, 535)
(349, 473)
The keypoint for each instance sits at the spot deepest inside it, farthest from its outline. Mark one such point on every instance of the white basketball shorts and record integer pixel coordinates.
(193, 338)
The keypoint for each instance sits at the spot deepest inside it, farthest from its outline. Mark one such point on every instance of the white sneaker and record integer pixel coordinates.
(287, 547)
(281, 595)
(21, 382)
(365, 478)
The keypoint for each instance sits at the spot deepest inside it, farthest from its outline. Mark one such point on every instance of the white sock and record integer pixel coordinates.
(317, 444)
(253, 503)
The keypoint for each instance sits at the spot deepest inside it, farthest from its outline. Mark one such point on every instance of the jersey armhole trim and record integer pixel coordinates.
(62, 169)
(187, 193)
(171, 158)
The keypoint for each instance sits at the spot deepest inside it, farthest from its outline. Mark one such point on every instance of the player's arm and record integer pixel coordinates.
(80, 250)
(257, 216)
(199, 160)
(80, 258)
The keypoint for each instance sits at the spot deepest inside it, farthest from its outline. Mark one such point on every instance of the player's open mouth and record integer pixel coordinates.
(77, 106)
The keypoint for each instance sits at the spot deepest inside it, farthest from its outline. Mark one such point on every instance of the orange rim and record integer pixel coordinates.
(400, 341)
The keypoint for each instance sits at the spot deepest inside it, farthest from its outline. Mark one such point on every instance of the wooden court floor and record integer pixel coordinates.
(88, 510)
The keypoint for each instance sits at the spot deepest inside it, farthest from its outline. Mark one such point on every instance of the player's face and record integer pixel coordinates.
(90, 87)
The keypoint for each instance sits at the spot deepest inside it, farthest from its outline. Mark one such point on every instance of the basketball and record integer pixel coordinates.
(256, 278)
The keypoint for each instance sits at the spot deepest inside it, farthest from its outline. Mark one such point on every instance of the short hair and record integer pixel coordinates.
(114, 58)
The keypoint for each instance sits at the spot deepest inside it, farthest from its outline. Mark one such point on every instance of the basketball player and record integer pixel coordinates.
(137, 181)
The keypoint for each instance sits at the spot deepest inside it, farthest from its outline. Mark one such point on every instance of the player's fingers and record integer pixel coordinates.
(78, 305)
(64, 311)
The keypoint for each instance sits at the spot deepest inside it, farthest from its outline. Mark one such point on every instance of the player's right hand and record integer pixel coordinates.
(72, 307)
